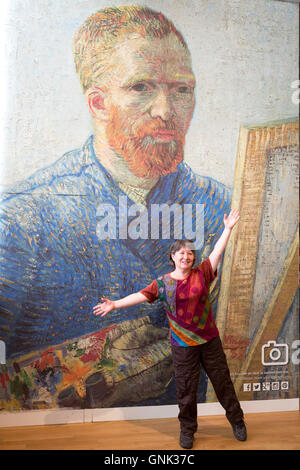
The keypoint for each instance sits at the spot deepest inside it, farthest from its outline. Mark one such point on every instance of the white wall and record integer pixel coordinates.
(245, 56)
(41, 417)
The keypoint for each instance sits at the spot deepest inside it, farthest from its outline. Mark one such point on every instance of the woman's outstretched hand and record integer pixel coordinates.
(232, 219)
(103, 308)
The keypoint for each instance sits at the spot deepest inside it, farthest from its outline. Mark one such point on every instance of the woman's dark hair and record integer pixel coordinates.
(177, 245)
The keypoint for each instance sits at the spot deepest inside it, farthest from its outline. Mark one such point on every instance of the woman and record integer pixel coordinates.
(194, 336)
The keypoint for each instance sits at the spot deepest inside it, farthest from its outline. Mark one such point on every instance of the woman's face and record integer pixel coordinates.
(183, 258)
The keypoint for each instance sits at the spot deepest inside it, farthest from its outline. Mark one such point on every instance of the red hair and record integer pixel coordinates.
(101, 31)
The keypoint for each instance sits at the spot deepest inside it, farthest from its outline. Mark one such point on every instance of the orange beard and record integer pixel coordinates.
(145, 157)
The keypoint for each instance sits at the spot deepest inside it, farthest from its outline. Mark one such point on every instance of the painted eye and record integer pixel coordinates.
(183, 89)
(140, 87)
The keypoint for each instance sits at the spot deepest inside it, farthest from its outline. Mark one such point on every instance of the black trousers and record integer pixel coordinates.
(187, 362)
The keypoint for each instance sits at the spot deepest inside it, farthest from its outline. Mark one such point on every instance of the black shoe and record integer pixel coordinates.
(239, 430)
(186, 440)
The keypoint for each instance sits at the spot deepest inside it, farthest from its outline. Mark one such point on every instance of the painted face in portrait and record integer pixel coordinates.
(150, 100)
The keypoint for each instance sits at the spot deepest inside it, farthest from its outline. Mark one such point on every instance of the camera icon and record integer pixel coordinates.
(274, 354)
(2, 352)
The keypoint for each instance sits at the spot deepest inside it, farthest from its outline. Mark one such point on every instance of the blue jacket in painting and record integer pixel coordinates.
(54, 268)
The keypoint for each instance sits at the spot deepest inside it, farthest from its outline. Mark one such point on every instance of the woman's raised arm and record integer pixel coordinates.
(220, 246)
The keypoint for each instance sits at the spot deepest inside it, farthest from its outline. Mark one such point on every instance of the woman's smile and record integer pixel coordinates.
(183, 259)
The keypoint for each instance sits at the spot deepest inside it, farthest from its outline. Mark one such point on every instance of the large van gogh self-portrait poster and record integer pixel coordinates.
(126, 127)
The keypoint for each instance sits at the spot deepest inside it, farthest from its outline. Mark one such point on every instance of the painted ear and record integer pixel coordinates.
(96, 97)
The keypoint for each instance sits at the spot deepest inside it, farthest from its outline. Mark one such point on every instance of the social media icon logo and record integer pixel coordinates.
(284, 385)
(274, 354)
(275, 385)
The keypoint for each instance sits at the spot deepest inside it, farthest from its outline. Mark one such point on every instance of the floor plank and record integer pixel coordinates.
(266, 431)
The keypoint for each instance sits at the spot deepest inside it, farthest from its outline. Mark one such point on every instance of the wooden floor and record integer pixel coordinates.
(266, 431)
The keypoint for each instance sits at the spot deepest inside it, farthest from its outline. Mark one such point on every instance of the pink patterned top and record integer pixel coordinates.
(187, 306)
